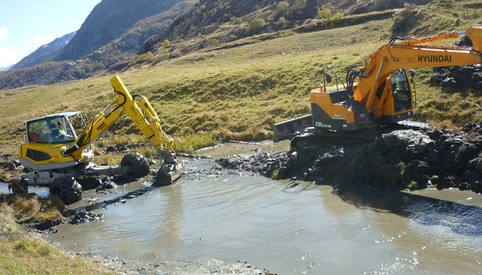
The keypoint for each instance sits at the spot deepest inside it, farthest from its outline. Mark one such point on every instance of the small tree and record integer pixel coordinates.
(256, 26)
(166, 43)
(236, 20)
(327, 18)
(281, 21)
(282, 7)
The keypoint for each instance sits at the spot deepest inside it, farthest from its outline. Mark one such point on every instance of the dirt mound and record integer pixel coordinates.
(400, 159)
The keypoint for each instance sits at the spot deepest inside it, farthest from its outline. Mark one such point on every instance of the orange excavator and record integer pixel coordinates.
(381, 92)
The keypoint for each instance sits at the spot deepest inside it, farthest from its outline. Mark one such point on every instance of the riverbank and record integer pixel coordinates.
(402, 159)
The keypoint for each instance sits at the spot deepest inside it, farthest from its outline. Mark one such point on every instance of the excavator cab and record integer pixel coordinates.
(402, 97)
(47, 136)
(399, 100)
(51, 129)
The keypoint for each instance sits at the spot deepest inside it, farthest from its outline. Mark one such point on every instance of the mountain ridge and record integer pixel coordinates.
(118, 31)
(44, 53)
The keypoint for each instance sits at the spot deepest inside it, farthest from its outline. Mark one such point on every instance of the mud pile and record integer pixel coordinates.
(400, 159)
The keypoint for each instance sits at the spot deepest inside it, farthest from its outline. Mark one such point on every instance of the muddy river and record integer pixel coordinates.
(290, 227)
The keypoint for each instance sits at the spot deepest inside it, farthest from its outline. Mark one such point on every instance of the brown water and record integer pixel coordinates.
(286, 226)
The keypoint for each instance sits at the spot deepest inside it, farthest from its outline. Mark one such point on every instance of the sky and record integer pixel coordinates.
(25, 25)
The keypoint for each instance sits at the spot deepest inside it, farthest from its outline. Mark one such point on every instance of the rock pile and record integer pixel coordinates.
(458, 77)
(401, 159)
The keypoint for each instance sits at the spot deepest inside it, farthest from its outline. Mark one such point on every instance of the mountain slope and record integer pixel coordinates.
(117, 30)
(120, 49)
(219, 21)
(107, 21)
(45, 52)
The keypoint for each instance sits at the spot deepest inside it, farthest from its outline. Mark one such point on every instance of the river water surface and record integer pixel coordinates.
(290, 227)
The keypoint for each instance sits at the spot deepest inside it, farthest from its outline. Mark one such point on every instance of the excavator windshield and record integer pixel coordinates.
(402, 96)
(50, 129)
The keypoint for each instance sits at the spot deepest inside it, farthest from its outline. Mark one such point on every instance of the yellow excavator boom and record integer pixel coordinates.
(139, 111)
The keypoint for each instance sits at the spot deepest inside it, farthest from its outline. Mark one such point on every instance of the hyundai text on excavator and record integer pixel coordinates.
(58, 146)
(380, 93)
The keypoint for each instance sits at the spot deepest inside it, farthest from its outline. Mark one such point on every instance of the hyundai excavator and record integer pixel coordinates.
(381, 93)
(58, 146)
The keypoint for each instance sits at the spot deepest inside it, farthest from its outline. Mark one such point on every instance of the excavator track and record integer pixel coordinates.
(327, 139)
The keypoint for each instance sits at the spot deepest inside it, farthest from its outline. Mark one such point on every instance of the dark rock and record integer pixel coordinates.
(83, 216)
(398, 159)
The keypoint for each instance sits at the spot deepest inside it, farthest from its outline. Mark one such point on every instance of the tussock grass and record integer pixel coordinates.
(25, 253)
(36, 208)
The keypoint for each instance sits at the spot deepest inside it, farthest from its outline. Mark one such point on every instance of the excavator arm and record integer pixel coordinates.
(140, 111)
(412, 53)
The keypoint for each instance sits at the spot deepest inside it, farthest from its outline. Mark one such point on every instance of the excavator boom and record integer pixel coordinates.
(140, 112)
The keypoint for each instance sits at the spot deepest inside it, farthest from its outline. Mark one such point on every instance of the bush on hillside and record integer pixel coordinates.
(405, 18)
(256, 26)
(328, 19)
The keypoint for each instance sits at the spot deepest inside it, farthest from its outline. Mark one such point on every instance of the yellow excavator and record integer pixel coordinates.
(381, 92)
(58, 146)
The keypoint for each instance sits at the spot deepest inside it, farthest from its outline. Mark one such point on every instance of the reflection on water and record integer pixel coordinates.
(288, 227)
(40, 191)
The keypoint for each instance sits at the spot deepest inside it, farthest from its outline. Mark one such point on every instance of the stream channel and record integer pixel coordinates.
(289, 227)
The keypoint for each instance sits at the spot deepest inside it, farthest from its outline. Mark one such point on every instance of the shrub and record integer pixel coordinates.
(327, 18)
(166, 43)
(256, 26)
(141, 58)
(282, 7)
(281, 21)
(405, 18)
(236, 20)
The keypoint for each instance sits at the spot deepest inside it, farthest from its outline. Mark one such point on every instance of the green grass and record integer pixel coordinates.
(25, 253)
(238, 93)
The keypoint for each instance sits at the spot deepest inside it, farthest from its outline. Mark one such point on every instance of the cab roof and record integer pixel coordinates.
(62, 114)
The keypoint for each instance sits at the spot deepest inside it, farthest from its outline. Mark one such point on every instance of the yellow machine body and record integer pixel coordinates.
(60, 143)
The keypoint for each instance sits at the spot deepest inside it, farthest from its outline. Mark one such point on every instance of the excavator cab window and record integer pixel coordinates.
(50, 130)
(402, 95)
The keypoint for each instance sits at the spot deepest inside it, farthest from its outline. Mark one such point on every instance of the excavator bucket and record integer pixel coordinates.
(167, 174)
(290, 128)
(170, 170)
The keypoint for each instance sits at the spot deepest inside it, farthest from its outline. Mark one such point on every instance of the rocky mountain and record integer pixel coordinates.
(45, 52)
(117, 32)
(108, 21)
(113, 33)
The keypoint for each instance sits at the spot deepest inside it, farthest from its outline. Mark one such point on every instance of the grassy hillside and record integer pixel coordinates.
(238, 92)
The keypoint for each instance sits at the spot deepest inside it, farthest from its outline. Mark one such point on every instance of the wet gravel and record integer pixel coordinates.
(211, 266)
